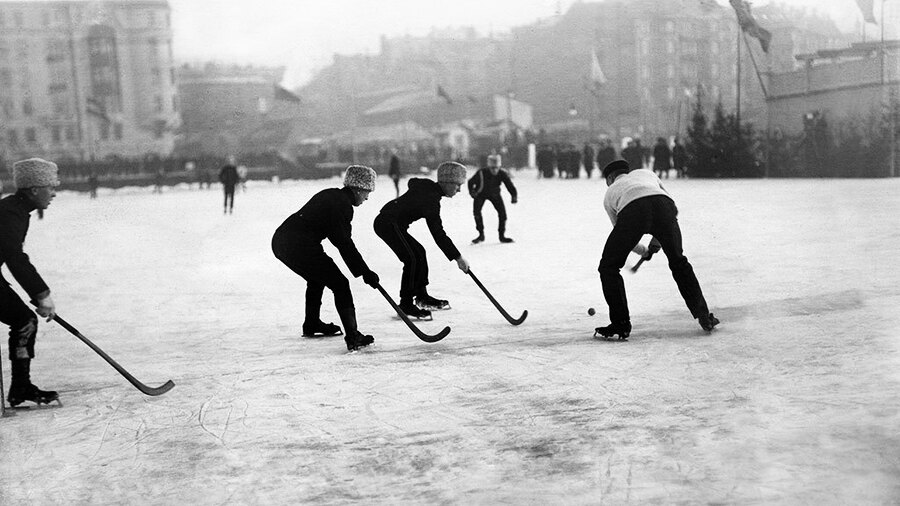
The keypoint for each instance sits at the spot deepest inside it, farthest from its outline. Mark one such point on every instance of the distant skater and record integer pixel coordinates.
(421, 200)
(36, 181)
(298, 244)
(637, 204)
(485, 186)
(229, 178)
(394, 172)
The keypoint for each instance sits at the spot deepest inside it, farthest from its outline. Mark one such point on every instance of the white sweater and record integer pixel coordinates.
(629, 187)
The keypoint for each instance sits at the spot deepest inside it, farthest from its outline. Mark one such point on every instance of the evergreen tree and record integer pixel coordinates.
(698, 145)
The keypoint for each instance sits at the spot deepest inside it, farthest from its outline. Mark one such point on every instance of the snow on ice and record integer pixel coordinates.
(793, 399)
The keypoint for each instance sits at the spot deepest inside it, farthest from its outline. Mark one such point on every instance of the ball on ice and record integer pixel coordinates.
(591, 311)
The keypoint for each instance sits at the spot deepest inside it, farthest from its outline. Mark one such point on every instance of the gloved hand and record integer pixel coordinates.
(46, 308)
(514, 200)
(371, 279)
(462, 264)
(652, 249)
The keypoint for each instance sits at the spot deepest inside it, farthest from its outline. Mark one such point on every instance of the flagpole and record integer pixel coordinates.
(738, 80)
(882, 43)
(755, 67)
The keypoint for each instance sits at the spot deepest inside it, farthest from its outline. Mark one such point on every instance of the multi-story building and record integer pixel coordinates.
(86, 80)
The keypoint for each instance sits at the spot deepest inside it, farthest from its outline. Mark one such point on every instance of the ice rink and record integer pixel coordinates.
(794, 399)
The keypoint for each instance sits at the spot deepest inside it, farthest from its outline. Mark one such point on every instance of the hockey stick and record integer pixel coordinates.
(421, 335)
(2, 394)
(637, 266)
(165, 387)
(506, 315)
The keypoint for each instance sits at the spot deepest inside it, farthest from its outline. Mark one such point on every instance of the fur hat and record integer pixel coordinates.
(616, 166)
(451, 172)
(360, 176)
(35, 172)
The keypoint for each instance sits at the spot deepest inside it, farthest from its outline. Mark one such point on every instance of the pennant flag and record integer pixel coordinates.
(868, 10)
(597, 75)
(749, 25)
(284, 95)
(443, 94)
(96, 107)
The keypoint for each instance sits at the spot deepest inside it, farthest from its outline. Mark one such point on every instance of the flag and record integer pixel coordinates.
(443, 94)
(868, 10)
(749, 25)
(597, 76)
(96, 107)
(285, 95)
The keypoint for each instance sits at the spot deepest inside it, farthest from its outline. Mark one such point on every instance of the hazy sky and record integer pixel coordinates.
(303, 35)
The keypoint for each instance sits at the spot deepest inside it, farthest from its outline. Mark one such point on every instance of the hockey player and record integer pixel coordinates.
(36, 181)
(298, 244)
(421, 200)
(637, 204)
(485, 185)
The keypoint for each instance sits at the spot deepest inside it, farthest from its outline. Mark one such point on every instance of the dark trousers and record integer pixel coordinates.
(229, 196)
(497, 201)
(410, 252)
(21, 321)
(307, 258)
(657, 216)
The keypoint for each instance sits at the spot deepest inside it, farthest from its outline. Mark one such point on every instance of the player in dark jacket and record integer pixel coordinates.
(484, 186)
(421, 200)
(36, 182)
(229, 178)
(298, 244)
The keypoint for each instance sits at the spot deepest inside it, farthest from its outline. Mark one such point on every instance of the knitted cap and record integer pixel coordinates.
(35, 172)
(360, 176)
(616, 166)
(451, 172)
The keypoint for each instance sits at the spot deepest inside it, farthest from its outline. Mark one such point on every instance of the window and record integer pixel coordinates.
(172, 75)
(104, 130)
(22, 49)
(714, 70)
(159, 103)
(174, 102)
(12, 137)
(2, 19)
(671, 93)
(5, 78)
(155, 76)
(8, 109)
(117, 131)
(27, 107)
(4, 50)
(30, 135)
(56, 134)
(151, 18)
(159, 128)
(70, 133)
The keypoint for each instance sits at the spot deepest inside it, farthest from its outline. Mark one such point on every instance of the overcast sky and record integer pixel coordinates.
(303, 35)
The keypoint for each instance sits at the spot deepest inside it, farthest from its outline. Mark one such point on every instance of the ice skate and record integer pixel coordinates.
(413, 311)
(19, 394)
(356, 340)
(320, 329)
(708, 322)
(478, 239)
(505, 239)
(622, 329)
(431, 304)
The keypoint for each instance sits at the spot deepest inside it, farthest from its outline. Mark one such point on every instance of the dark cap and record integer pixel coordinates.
(616, 166)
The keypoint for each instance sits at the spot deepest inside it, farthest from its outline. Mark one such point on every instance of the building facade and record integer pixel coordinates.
(86, 80)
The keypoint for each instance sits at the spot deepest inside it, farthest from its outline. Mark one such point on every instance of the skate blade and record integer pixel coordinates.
(436, 308)
(414, 318)
(361, 349)
(320, 335)
(37, 406)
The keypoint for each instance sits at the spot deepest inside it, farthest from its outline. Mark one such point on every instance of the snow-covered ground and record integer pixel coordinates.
(794, 399)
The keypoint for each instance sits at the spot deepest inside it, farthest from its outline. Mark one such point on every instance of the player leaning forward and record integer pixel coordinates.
(36, 181)
(421, 200)
(298, 244)
(637, 204)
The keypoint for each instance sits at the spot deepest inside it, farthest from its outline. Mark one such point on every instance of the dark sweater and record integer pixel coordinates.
(15, 215)
(421, 200)
(327, 215)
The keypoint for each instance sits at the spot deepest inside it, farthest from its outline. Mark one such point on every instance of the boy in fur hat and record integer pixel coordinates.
(298, 244)
(36, 181)
(421, 200)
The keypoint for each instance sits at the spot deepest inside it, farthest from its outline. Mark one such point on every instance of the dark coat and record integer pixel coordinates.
(15, 216)
(394, 169)
(327, 215)
(679, 156)
(228, 176)
(421, 200)
(662, 157)
(605, 156)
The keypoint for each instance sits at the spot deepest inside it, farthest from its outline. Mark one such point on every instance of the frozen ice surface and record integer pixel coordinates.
(794, 399)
